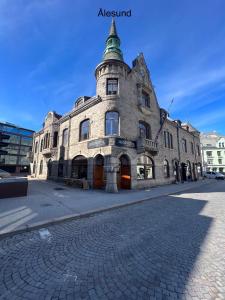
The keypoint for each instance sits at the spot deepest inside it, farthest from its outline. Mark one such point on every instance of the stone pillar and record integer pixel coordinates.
(111, 169)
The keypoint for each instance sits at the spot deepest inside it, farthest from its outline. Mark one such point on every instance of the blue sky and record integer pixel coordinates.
(49, 50)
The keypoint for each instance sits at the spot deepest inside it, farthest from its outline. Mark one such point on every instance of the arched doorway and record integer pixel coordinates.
(60, 167)
(183, 172)
(124, 181)
(49, 168)
(79, 167)
(176, 171)
(98, 180)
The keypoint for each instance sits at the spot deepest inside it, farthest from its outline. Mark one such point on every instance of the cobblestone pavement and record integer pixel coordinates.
(171, 247)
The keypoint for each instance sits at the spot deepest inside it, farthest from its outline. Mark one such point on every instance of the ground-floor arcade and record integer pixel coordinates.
(118, 169)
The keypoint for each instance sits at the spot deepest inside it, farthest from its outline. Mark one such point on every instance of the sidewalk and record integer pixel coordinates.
(50, 202)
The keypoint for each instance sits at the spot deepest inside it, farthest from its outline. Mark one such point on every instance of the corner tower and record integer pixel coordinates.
(112, 71)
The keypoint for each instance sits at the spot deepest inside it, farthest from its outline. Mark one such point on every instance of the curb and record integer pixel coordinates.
(87, 214)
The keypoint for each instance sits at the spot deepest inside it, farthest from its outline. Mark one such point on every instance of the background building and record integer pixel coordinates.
(213, 151)
(19, 145)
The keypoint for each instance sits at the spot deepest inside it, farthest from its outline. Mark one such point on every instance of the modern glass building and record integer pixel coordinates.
(19, 145)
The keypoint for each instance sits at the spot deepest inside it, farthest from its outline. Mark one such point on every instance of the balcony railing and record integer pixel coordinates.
(147, 145)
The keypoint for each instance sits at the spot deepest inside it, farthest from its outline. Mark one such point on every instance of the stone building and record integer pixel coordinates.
(120, 138)
(213, 151)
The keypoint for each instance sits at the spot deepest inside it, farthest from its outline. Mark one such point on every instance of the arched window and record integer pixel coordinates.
(112, 123)
(65, 137)
(84, 130)
(145, 168)
(41, 167)
(79, 167)
(166, 169)
(145, 130)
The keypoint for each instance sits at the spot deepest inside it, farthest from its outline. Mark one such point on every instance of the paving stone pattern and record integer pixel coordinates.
(167, 248)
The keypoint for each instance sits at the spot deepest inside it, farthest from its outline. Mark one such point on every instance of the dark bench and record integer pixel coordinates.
(13, 187)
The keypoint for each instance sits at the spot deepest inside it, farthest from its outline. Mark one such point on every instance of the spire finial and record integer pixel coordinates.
(113, 31)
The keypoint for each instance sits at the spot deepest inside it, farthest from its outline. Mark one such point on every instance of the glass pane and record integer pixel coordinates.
(140, 172)
(148, 172)
(112, 123)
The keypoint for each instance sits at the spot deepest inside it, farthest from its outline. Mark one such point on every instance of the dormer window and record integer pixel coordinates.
(145, 99)
(112, 86)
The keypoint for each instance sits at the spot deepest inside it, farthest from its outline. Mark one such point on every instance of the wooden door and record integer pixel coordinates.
(98, 177)
(125, 173)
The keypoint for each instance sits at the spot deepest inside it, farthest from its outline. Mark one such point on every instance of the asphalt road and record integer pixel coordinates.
(172, 247)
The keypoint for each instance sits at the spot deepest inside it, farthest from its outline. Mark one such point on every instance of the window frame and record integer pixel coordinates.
(112, 92)
(166, 169)
(118, 125)
(146, 166)
(65, 143)
(148, 131)
(80, 130)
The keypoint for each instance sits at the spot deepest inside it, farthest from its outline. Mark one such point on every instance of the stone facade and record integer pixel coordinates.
(213, 151)
(136, 145)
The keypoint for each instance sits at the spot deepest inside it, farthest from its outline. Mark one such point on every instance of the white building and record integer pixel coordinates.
(213, 151)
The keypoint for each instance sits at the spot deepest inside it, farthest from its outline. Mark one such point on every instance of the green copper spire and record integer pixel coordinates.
(112, 50)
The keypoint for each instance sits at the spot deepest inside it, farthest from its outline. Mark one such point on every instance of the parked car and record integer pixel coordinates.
(214, 175)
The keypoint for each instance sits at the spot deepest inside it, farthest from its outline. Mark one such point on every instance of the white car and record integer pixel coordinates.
(214, 175)
(4, 174)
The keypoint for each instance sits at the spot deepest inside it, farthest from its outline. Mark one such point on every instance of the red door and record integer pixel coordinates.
(125, 174)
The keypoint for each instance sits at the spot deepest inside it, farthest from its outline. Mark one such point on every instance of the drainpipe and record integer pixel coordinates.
(178, 148)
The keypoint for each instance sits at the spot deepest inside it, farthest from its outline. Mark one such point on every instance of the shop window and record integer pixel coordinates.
(145, 168)
(79, 167)
(112, 123)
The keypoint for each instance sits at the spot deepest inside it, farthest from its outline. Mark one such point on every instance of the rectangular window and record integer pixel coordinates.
(198, 150)
(209, 153)
(112, 86)
(220, 161)
(219, 153)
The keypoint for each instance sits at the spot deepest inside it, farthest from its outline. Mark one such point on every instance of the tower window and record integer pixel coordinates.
(112, 86)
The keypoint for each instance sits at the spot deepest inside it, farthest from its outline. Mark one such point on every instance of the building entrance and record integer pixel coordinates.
(124, 180)
(99, 172)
